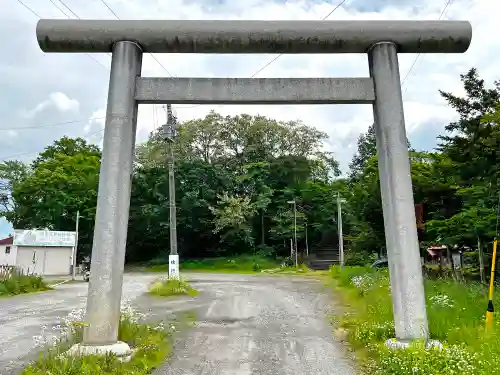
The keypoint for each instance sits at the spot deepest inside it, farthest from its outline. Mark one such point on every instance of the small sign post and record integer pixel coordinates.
(173, 266)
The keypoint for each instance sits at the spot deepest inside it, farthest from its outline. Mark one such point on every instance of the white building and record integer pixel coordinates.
(8, 252)
(41, 252)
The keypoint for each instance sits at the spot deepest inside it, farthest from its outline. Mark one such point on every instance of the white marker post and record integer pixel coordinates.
(173, 266)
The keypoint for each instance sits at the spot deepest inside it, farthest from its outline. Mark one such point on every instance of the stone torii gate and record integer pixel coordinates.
(128, 40)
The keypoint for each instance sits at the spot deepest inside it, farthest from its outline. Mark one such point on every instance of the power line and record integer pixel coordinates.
(36, 152)
(277, 57)
(27, 7)
(68, 8)
(36, 14)
(76, 15)
(58, 7)
(111, 10)
(448, 3)
(334, 9)
(15, 156)
(51, 125)
(114, 14)
(153, 56)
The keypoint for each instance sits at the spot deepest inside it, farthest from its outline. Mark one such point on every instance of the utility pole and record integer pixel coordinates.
(169, 133)
(75, 249)
(307, 244)
(295, 230)
(339, 224)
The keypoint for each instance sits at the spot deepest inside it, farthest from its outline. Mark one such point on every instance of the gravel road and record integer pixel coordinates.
(22, 317)
(246, 325)
(256, 325)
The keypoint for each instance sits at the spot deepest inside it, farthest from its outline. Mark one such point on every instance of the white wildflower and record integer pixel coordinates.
(442, 300)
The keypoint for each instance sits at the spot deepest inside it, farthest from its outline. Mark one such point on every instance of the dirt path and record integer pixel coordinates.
(252, 325)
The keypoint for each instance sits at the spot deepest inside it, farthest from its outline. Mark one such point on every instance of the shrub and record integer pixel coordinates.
(172, 287)
(264, 251)
(359, 258)
(16, 282)
(151, 345)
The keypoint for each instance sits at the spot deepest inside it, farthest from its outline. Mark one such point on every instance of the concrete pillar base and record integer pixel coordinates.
(403, 344)
(120, 349)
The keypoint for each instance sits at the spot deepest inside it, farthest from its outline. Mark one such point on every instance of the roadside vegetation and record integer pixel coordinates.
(171, 287)
(456, 314)
(14, 282)
(151, 345)
(237, 264)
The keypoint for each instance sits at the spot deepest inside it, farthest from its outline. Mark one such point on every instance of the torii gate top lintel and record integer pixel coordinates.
(241, 36)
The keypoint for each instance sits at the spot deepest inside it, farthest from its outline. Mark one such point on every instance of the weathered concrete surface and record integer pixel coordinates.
(242, 36)
(22, 317)
(255, 90)
(252, 325)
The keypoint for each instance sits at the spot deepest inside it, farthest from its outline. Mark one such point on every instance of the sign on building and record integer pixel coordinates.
(44, 238)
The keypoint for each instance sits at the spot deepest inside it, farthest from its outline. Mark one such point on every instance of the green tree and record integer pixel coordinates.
(12, 172)
(51, 195)
(472, 143)
(66, 146)
(233, 216)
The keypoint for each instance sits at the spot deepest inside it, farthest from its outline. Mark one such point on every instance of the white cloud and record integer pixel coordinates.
(343, 123)
(97, 118)
(57, 100)
(12, 133)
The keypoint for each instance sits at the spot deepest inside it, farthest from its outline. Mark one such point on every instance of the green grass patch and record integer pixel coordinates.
(289, 270)
(242, 264)
(151, 345)
(456, 315)
(16, 283)
(167, 288)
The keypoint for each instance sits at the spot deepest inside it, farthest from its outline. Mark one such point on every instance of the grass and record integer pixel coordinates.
(290, 270)
(456, 314)
(151, 345)
(241, 264)
(171, 287)
(15, 283)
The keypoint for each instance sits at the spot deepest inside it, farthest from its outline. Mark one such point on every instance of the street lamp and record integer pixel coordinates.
(168, 132)
(295, 229)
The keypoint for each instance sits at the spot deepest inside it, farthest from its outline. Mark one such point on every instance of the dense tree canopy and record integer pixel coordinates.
(236, 177)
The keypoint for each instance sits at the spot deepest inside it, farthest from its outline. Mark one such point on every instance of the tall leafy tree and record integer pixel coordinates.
(53, 193)
(12, 172)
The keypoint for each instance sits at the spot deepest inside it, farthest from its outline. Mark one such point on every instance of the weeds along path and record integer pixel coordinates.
(22, 317)
(256, 325)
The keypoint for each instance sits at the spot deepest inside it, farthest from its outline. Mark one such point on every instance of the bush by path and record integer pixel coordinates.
(241, 264)
(456, 315)
(151, 345)
(172, 287)
(14, 282)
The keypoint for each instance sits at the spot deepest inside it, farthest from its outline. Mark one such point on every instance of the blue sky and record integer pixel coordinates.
(41, 90)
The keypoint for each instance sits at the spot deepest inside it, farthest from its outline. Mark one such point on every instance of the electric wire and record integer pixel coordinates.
(118, 18)
(275, 58)
(37, 152)
(448, 3)
(37, 15)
